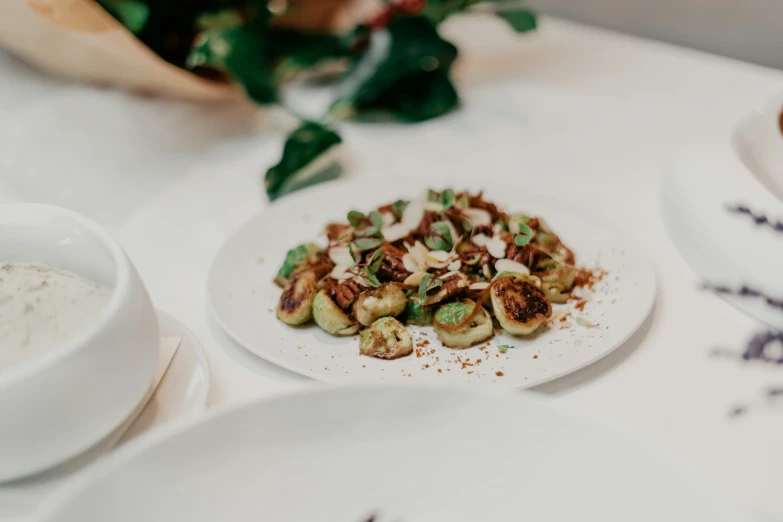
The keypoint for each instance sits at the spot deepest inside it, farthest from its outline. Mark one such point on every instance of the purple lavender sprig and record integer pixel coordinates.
(758, 218)
(745, 291)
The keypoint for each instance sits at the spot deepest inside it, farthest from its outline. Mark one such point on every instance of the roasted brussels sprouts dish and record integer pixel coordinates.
(452, 260)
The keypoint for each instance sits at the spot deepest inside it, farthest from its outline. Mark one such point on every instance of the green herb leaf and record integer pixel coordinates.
(133, 14)
(304, 157)
(432, 196)
(463, 202)
(397, 72)
(376, 219)
(356, 218)
(503, 348)
(367, 243)
(447, 199)
(295, 257)
(398, 207)
(369, 278)
(439, 237)
(375, 261)
(524, 236)
(520, 19)
(240, 51)
(423, 285)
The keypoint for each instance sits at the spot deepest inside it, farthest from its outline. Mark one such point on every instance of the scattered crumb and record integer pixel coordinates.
(534, 357)
(499, 374)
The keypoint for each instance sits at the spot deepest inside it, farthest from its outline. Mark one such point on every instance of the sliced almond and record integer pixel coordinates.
(415, 278)
(481, 285)
(411, 264)
(496, 247)
(388, 218)
(394, 232)
(341, 255)
(437, 258)
(455, 265)
(340, 272)
(478, 217)
(508, 265)
(413, 214)
(480, 239)
(419, 252)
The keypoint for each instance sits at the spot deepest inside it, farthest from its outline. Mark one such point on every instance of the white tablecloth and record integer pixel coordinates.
(588, 114)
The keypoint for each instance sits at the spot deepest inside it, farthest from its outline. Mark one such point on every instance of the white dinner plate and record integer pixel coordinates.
(180, 395)
(407, 455)
(243, 297)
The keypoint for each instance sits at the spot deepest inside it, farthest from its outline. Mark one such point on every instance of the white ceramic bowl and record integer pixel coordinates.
(60, 404)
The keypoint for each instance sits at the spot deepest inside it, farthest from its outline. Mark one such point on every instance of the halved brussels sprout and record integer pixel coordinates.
(330, 317)
(418, 314)
(386, 300)
(386, 338)
(519, 305)
(296, 302)
(477, 330)
(295, 258)
(557, 284)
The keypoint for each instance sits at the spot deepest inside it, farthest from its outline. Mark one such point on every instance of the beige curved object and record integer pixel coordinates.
(75, 15)
(77, 39)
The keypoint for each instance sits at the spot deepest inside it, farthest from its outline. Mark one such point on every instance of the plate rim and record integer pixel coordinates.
(575, 209)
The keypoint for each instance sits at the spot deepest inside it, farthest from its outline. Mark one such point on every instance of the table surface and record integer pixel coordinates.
(593, 115)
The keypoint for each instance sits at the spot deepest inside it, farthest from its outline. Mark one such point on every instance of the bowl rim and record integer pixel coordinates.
(59, 352)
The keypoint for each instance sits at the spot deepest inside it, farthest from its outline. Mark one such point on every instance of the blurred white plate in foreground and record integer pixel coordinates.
(243, 297)
(409, 455)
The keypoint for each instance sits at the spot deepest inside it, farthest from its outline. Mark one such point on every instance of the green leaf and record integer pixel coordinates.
(295, 257)
(417, 98)
(369, 278)
(293, 50)
(521, 19)
(133, 14)
(356, 218)
(398, 207)
(432, 196)
(447, 199)
(524, 236)
(367, 243)
(439, 237)
(405, 70)
(503, 348)
(371, 231)
(375, 261)
(303, 157)
(376, 219)
(423, 285)
(240, 51)
(463, 202)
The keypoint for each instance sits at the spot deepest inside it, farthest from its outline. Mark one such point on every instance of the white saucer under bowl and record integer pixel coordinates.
(181, 395)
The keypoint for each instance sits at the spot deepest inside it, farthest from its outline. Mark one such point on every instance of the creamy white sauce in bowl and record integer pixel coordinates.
(42, 307)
